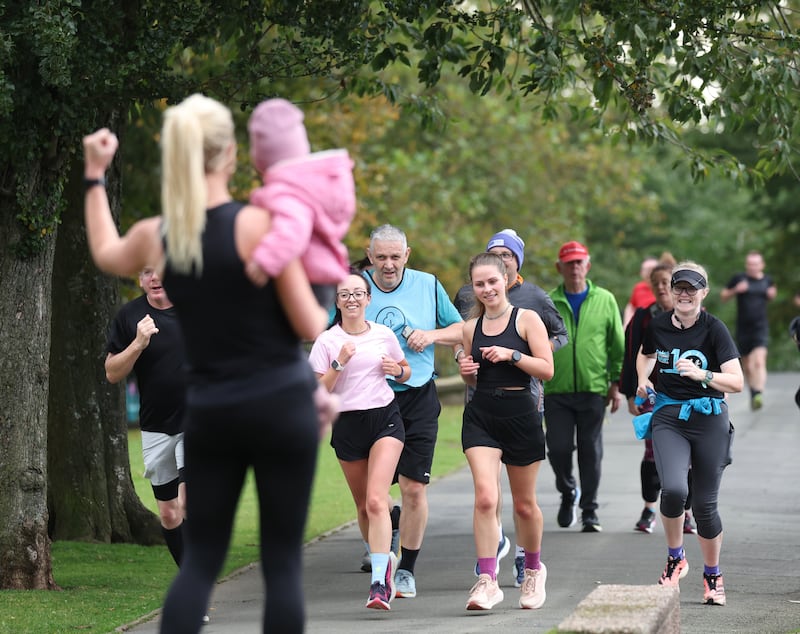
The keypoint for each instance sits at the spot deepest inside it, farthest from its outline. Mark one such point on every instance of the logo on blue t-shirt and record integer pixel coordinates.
(391, 317)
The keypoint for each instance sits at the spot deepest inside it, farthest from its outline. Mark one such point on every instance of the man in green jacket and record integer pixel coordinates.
(586, 377)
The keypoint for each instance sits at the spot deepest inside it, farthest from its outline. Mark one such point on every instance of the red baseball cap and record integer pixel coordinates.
(572, 251)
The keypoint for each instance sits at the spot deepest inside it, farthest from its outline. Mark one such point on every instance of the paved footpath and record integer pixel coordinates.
(759, 504)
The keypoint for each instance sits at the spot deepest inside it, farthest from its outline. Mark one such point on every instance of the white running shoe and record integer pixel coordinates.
(406, 586)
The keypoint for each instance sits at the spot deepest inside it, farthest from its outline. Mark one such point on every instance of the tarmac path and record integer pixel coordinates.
(759, 504)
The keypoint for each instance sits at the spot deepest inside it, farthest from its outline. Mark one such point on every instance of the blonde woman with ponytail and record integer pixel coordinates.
(249, 398)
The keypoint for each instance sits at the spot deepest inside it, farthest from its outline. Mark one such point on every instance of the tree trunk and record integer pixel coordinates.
(91, 493)
(24, 375)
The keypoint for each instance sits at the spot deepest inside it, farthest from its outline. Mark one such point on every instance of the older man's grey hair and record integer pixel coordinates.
(387, 233)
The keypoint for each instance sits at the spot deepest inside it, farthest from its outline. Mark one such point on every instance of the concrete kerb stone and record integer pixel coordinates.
(626, 609)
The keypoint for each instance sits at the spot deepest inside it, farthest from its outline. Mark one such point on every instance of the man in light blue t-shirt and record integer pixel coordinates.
(416, 307)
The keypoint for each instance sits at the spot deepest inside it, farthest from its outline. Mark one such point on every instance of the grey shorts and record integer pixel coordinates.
(163, 457)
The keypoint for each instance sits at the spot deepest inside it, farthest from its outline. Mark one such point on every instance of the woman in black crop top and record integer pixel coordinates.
(249, 396)
(507, 346)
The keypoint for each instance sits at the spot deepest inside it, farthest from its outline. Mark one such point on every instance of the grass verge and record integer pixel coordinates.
(107, 585)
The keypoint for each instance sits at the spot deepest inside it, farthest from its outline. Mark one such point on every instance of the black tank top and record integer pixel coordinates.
(494, 375)
(238, 340)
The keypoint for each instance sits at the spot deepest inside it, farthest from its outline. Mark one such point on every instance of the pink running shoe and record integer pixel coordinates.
(675, 570)
(485, 594)
(532, 595)
(379, 597)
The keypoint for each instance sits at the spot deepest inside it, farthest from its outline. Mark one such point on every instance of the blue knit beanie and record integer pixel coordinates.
(509, 239)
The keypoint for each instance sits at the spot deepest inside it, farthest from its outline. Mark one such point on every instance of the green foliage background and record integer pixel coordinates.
(494, 164)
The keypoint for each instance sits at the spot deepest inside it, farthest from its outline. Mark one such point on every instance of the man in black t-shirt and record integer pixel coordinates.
(145, 338)
(753, 290)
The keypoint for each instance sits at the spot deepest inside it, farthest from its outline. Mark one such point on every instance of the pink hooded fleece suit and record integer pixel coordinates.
(311, 197)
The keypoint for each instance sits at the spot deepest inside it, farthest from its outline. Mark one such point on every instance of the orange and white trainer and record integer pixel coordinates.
(713, 590)
(675, 570)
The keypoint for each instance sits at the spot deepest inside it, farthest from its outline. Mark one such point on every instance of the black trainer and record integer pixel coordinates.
(566, 513)
(590, 523)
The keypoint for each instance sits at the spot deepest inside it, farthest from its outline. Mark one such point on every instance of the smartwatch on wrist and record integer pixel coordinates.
(516, 356)
(336, 365)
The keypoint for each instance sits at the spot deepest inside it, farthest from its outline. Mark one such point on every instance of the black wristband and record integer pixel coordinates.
(88, 183)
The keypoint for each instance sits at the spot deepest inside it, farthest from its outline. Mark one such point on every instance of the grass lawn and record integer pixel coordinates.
(107, 585)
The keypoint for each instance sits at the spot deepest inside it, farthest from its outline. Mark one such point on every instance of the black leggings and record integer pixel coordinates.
(277, 435)
(651, 483)
(703, 442)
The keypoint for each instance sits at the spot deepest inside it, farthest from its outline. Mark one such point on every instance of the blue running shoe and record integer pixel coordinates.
(519, 570)
(502, 550)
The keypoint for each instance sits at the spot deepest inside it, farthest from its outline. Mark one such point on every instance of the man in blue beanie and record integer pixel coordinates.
(511, 249)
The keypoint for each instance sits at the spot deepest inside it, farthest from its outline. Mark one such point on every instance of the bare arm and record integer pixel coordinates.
(330, 377)
(467, 367)
(448, 336)
(126, 255)
(730, 378)
(539, 363)
(120, 365)
(307, 317)
(772, 291)
(726, 293)
(644, 367)
(627, 314)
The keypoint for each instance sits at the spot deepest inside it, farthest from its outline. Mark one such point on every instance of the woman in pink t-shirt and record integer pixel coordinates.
(352, 360)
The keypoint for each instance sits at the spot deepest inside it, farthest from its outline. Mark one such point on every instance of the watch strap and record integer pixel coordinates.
(88, 183)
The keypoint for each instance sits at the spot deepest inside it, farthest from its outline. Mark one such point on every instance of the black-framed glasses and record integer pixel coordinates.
(691, 291)
(358, 295)
(504, 255)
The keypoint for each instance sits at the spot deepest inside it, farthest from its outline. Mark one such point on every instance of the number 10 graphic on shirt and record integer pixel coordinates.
(695, 356)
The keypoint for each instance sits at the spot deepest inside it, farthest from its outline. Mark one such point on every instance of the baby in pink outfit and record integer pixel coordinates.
(311, 197)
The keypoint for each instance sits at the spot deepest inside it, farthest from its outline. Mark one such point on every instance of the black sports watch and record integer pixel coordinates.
(516, 356)
(88, 183)
(336, 365)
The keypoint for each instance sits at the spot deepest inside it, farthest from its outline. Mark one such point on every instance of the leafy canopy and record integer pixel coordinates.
(639, 69)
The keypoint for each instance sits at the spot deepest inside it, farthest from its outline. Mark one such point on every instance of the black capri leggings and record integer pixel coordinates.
(277, 435)
(702, 442)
